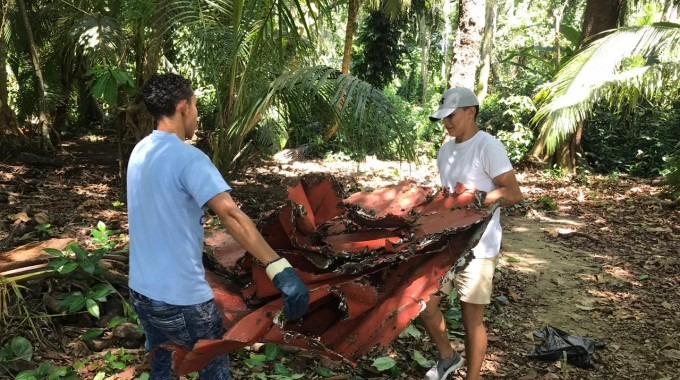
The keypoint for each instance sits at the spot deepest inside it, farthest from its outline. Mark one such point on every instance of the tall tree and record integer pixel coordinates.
(599, 16)
(8, 121)
(352, 15)
(487, 49)
(598, 73)
(43, 116)
(466, 51)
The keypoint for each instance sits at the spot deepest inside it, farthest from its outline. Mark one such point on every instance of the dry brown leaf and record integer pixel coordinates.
(22, 216)
(531, 375)
(658, 229)
(672, 354)
(41, 218)
(584, 307)
(667, 305)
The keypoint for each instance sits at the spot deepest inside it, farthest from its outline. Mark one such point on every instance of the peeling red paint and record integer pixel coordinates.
(369, 264)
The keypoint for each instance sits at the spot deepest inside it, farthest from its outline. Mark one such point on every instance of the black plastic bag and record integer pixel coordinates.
(556, 342)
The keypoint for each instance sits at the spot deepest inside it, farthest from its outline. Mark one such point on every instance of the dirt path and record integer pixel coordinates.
(547, 283)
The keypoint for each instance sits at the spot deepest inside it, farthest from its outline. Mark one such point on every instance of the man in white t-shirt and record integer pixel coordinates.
(478, 161)
(169, 186)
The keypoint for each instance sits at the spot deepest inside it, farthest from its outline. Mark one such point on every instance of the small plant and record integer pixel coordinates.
(386, 364)
(546, 203)
(76, 301)
(324, 372)
(100, 237)
(20, 348)
(565, 366)
(44, 230)
(118, 204)
(422, 360)
(84, 260)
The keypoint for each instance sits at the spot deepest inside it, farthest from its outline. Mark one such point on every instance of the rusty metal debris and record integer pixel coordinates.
(370, 260)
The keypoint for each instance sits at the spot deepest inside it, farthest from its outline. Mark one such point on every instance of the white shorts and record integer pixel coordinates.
(475, 283)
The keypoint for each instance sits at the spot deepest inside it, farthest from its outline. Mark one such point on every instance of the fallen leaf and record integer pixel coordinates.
(666, 305)
(22, 216)
(41, 218)
(530, 336)
(659, 229)
(531, 375)
(584, 307)
(672, 354)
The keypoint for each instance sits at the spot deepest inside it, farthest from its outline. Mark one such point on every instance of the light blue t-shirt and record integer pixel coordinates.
(168, 184)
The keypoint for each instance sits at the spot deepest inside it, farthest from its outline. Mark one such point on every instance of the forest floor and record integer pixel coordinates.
(595, 256)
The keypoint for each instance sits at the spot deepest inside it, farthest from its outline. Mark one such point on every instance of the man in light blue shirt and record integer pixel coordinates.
(169, 185)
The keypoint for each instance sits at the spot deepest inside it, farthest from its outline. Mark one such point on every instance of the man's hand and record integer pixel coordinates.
(295, 293)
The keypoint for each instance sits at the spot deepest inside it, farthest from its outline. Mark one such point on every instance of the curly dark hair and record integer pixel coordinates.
(161, 93)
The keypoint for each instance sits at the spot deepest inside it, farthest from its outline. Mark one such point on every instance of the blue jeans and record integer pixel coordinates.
(184, 326)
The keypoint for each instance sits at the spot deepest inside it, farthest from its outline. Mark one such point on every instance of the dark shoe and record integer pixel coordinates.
(444, 367)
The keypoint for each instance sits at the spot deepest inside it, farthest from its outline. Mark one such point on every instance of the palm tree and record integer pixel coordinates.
(259, 55)
(600, 73)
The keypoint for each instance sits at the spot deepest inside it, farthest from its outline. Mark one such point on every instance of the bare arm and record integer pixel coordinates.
(507, 189)
(241, 227)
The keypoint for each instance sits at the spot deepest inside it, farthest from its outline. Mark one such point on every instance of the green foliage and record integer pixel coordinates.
(384, 363)
(641, 143)
(324, 372)
(508, 118)
(83, 267)
(425, 136)
(107, 83)
(672, 173)
(20, 348)
(44, 230)
(411, 331)
(546, 203)
(421, 360)
(381, 50)
(100, 237)
(597, 74)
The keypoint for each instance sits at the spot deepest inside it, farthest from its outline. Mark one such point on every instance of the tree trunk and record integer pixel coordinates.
(352, 14)
(43, 118)
(134, 122)
(487, 49)
(8, 120)
(468, 43)
(670, 11)
(425, 43)
(599, 16)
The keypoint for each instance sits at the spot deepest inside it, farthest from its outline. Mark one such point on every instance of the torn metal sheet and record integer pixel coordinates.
(223, 250)
(389, 206)
(362, 242)
(368, 278)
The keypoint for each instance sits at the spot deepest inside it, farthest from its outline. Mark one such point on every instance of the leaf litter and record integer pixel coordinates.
(595, 257)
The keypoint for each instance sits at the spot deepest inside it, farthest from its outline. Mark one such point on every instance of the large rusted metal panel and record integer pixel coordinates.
(369, 265)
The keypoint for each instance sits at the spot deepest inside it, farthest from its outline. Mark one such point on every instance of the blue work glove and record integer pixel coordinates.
(295, 293)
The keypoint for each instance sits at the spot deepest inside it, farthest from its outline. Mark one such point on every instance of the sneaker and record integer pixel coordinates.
(444, 367)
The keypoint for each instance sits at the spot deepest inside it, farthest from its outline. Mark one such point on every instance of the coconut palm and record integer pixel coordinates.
(602, 71)
(259, 56)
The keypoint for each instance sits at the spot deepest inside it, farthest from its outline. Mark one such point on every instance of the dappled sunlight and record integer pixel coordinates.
(98, 190)
(528, 264)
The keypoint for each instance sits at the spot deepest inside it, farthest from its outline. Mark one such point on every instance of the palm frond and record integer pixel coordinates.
(597, 73)
(314, 91)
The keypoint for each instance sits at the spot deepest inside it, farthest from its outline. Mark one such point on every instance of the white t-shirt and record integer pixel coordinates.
(475, 163)
(168, 184)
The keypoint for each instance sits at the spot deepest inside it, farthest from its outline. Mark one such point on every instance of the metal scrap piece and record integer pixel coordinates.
(366, 285)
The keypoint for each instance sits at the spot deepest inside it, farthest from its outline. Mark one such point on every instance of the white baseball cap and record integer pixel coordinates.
(453, 99)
